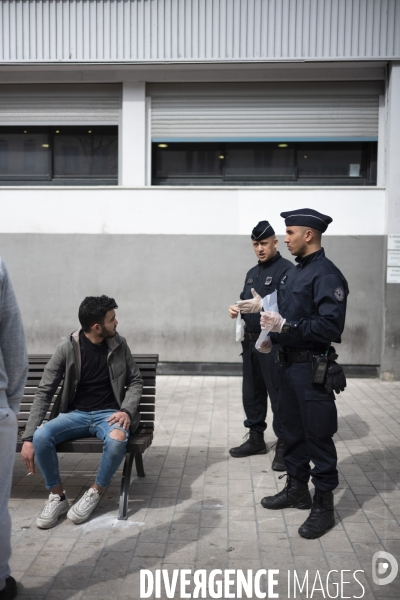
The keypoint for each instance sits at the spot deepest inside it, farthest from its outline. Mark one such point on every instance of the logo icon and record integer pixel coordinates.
(381, 561)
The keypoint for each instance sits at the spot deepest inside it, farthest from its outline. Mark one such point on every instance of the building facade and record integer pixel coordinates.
(141, 140)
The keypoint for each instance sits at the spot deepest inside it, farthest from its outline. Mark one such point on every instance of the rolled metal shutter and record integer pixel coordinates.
(60, 105)
(280, 117)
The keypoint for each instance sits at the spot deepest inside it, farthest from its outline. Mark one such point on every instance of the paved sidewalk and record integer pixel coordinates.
(198, 508)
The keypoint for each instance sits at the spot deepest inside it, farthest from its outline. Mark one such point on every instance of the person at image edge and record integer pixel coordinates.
(13, 371)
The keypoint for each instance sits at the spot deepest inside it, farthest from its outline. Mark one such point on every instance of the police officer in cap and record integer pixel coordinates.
(312, 310)
(260, 372)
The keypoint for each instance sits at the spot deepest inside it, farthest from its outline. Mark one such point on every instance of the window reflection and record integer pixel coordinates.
(23, 155)
(61, 153)
(85, 155)
(255, 163)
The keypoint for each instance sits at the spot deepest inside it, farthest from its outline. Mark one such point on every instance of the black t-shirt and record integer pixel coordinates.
(94, 391)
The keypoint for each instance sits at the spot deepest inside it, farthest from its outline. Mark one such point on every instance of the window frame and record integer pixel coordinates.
(51, 179)
(368, 177)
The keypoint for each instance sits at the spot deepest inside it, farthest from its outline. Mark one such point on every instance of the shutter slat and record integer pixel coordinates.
(185, 117)
(73, 106)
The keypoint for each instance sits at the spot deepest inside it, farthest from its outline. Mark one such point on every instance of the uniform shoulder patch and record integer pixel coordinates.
(339, 294)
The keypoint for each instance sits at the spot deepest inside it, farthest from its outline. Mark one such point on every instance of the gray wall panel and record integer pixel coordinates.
(179, 30)
(173, 291)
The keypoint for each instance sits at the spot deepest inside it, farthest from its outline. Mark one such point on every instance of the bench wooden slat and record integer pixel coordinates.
(34, 381)
(27, 404)
(147, 391)
(137, 443)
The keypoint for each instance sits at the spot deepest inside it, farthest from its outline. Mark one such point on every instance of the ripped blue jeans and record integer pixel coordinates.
(71, 426)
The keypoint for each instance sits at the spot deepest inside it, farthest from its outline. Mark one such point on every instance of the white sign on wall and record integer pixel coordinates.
(393, 275)
(394, 241)
(393, 258)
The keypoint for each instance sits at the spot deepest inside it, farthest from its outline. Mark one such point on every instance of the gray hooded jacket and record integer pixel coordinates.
(125, 378)
(13, 356)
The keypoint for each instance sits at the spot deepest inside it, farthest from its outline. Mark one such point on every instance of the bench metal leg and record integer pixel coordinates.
(125, 485)
(139, 465)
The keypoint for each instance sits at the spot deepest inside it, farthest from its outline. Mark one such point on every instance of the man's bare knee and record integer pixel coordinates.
(118, 434)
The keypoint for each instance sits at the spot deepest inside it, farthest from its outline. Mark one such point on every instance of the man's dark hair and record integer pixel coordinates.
(93, 310)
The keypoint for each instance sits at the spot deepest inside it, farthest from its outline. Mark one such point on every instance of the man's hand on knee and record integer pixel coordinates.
(28, 456)
(122, 418)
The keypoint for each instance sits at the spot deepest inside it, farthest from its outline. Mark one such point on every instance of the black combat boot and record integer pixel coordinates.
(321, 517)
(253, 445)
(10, 591)
(278, 463)
(295, 494)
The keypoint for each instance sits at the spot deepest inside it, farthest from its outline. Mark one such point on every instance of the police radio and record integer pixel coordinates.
(319, 367)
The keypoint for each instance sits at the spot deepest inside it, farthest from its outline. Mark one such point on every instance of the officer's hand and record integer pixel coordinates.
(233, 311)
(28, 456)
(335, 379)
(272, 321)
(250, 306)
(265, 347)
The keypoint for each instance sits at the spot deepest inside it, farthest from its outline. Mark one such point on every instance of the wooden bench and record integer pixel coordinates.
(138, 442)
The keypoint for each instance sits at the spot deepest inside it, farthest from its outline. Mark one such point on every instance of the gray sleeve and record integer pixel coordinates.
(13, 355)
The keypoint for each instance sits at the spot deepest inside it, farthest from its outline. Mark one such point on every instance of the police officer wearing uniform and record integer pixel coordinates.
(260, 371)
(312, 310)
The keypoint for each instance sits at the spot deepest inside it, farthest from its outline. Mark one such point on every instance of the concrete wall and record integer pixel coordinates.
(390, 362)
(173, 290)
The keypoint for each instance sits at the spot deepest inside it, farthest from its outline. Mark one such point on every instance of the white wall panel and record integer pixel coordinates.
(189, 30)
(184, 211)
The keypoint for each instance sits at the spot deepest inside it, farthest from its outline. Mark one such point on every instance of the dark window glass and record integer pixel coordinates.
(258, 163)
(85, 153)
(183, 160)
(24, 155)
(330, 159)
(261, 161)
(59, 154)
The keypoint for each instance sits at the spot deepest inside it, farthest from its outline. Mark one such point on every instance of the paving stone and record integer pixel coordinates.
(200, 508)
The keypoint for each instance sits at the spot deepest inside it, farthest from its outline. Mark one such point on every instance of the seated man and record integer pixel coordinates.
(99, 397)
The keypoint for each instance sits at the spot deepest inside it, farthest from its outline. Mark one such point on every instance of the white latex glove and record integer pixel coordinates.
(265, 347)
(250, 306)
(272, 321)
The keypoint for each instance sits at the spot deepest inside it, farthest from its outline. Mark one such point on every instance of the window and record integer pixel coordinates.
(24, 154)
(269, 163)
(59, 155)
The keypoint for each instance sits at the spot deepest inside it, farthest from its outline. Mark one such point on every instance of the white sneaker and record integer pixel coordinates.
(52, 511)
(81, 510)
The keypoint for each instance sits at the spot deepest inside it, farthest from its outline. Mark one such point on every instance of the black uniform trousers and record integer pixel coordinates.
(260, 380)
(309, 420)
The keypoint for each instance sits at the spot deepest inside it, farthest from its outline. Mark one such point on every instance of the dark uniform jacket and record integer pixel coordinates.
(313, 298)
(264, 278)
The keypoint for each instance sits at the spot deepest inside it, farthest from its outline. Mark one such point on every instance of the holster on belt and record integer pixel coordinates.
(298, 355)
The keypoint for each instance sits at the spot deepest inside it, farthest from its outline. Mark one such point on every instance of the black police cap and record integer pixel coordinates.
(307, 217)
(262, 231)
